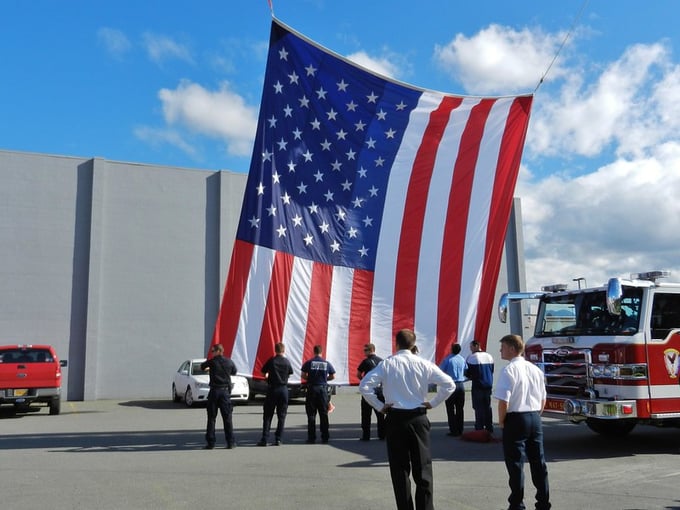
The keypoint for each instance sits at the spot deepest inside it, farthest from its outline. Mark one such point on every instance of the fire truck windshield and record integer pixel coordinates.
(585, 313)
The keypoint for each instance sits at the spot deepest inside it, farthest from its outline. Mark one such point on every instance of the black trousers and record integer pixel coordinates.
(523, 438)
(219, 399)
(317, 403)
(408, 452)
(454, 409)
(366, 411)
(481, 403)
(275, 400)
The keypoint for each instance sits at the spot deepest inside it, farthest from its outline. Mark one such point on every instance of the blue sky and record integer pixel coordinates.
(179, 84)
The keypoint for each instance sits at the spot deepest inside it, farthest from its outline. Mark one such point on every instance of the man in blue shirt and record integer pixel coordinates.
(317, 371)
(454, 366)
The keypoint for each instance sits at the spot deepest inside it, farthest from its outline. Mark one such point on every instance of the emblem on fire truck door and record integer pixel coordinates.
(671, 358)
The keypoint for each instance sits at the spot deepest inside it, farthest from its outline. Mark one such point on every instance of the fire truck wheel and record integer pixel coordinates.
(612, 428)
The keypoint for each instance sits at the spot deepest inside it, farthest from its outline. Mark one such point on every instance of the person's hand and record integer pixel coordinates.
(386, 408)
(427, 405)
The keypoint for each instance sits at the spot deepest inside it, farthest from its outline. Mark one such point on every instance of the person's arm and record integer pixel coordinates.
(502, 411)
(445, 387)
(367, 388)
(331, 376)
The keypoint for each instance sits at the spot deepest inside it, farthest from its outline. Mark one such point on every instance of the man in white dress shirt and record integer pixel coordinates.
(521, 395)
(405, 379)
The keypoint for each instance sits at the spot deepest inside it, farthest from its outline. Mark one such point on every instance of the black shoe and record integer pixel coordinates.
(230, 446)
(364, 439)
(324, 441)
(310, 441)
(262, 442)
(453, 434)
(277, 443)
(209, 447)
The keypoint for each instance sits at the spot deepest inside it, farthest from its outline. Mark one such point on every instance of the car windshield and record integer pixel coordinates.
(585, 313)
(25, 356)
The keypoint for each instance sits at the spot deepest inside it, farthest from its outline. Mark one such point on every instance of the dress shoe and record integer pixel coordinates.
(209, 447)
(262, 442)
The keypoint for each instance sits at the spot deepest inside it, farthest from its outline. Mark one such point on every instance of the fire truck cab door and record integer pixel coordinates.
(663, 353)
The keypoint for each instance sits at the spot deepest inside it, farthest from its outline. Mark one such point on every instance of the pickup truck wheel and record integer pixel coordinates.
(55, 406)
(189, 397)
(175, 396)
(611, 428)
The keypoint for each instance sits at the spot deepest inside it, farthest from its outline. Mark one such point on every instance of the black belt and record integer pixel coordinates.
(407, 412)
(219, 387)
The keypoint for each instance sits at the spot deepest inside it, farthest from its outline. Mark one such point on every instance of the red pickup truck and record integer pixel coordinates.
(30, 374)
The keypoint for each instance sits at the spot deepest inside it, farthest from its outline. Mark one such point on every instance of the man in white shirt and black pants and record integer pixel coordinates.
(521, 395)
(405, 378)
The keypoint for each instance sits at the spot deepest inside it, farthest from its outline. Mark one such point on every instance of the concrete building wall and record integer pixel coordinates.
(121, 266)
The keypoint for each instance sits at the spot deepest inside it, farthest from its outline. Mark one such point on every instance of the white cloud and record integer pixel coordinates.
(380, 65)
(221, 114)
(622, 218)
(158, 137)
(500, 59)
(115, 41)
(584, 118)
(161, 48)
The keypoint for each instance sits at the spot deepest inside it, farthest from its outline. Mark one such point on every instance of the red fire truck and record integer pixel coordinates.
(610, 354)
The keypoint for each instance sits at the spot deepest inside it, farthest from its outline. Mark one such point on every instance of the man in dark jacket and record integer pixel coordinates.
(367, 364)
(219, 397)
(277, 370)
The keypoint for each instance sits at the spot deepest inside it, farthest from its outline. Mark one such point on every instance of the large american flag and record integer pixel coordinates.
(370, 206)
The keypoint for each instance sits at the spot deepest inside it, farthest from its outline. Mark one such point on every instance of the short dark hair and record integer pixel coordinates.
(455, 348)
(318, 349)
(406, 339)
(514, 342)
(279, 348)
(218, 348)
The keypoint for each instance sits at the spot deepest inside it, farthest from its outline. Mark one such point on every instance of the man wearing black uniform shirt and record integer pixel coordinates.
(277, 370)
(219, 397)
(317, 371)
(367, 364)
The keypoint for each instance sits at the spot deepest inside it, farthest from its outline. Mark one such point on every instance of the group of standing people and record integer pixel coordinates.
(397, 390)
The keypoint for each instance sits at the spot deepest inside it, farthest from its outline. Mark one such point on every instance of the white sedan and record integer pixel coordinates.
(191, 384)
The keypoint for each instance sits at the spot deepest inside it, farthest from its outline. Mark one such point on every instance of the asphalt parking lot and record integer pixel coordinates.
(147, 454)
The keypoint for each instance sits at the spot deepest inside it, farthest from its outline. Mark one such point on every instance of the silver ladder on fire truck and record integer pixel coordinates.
(610, 354)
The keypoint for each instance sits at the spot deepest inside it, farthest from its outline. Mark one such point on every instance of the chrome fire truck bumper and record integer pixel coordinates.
(603, 409)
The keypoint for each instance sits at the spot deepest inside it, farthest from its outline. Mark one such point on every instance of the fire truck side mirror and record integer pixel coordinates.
(614, 295)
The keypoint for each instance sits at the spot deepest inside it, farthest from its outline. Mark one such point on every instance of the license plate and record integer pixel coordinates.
(20, 393)
(554, 405)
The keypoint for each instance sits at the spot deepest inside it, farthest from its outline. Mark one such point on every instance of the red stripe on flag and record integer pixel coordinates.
(406, 271)
(275, 310)
(359, 319)
(458, 210)
(319, 309)
(232, 300)
(507, 171)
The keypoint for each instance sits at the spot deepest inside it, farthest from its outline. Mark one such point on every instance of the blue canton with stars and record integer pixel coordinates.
(327, 136)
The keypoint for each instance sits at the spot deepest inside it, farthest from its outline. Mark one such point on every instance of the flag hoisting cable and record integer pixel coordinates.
(271, 7)
(564, 42)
